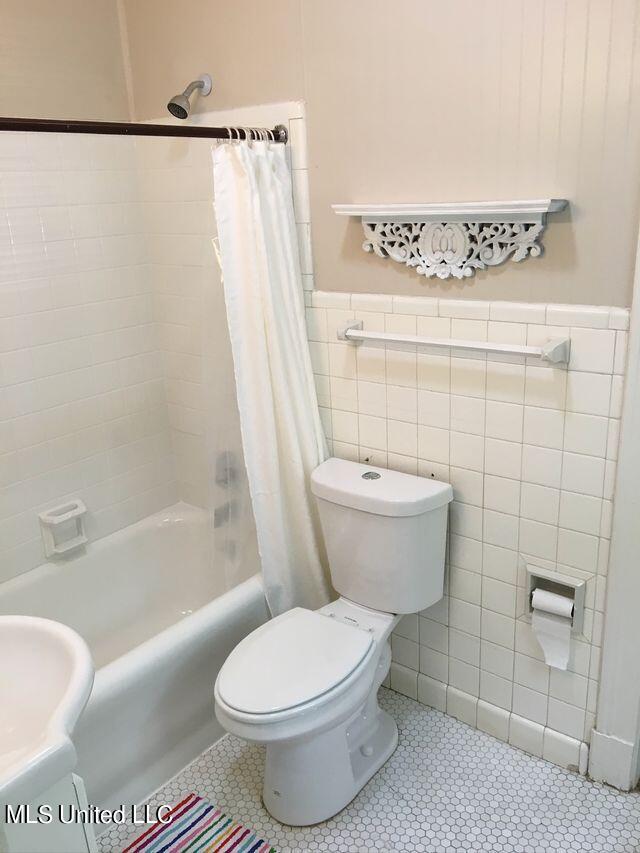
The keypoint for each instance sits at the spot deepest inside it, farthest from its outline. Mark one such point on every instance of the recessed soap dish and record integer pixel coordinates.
(62, 528)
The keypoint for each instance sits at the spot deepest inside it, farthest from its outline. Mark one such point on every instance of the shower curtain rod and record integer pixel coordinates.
(117, 128)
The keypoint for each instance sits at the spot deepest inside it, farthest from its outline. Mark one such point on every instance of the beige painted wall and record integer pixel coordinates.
(418, 100)
(251, 48)
(62, 59)
(426, 100)
(415, 100)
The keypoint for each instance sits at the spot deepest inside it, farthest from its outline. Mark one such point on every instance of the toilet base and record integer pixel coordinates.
(308, 781)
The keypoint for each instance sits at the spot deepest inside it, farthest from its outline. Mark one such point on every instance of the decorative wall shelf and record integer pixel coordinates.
(454, 239)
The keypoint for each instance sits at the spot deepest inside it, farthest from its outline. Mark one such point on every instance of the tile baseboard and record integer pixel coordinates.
(530, 737)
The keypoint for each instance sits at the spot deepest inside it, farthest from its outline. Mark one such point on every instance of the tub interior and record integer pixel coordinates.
(124, 589)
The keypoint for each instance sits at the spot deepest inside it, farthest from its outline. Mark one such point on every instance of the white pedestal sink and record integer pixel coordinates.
(46, 675)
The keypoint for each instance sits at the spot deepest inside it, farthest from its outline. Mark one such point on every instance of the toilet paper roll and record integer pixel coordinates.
(551, 624)
(551, 602)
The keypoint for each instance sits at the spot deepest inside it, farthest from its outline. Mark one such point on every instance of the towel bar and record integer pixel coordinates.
(555, 350)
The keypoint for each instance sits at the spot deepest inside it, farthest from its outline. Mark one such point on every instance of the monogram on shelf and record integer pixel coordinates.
(454, 240)
(457, 249)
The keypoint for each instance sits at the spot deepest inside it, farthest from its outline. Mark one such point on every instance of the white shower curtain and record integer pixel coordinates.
(281, 430)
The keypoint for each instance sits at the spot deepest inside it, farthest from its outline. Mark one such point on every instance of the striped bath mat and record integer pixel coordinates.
(198, 827)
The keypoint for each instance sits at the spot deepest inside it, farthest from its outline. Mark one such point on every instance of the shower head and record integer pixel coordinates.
(179, 106)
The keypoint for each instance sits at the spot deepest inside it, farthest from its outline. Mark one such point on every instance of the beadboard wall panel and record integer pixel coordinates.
(473, 101)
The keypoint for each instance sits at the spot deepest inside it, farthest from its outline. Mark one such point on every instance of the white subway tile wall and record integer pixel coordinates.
(176, 193)
(82, 401)
(530, 450)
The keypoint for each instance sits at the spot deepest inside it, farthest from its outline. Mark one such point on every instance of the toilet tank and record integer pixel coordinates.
(385, 534)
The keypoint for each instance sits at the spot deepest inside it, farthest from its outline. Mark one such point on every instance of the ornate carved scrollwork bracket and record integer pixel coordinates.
(454, 240)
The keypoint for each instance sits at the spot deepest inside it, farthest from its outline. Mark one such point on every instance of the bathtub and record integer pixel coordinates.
(160, 623)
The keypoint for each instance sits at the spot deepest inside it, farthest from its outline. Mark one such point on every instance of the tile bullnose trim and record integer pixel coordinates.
(535, 313)
(532, 738)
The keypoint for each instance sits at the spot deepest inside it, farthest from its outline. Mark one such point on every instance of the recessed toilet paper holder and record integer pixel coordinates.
(572, 588)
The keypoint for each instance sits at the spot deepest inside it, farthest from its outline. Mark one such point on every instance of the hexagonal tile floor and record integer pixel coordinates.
(447, 788)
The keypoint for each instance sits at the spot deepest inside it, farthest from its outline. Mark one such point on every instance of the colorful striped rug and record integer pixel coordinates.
(198, 827)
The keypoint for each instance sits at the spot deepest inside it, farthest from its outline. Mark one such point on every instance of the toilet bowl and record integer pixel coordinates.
(305, 684)
(313, 703)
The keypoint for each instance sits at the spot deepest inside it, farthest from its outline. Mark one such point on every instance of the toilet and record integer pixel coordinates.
(305, 684)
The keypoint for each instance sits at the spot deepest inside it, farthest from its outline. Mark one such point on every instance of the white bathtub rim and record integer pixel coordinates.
(176, 638)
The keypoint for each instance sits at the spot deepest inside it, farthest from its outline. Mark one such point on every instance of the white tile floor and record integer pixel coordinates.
(447, 788)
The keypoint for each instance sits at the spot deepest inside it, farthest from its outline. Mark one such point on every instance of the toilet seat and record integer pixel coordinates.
(291, 661)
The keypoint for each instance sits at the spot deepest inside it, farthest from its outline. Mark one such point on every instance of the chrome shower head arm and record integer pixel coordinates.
(203, 83)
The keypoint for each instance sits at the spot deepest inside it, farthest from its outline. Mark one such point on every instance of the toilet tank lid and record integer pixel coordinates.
(390, 493)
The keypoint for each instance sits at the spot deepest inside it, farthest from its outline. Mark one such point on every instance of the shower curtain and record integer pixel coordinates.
(281, 430)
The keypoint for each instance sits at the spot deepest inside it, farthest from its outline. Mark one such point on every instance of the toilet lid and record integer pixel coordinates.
(291, 660)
